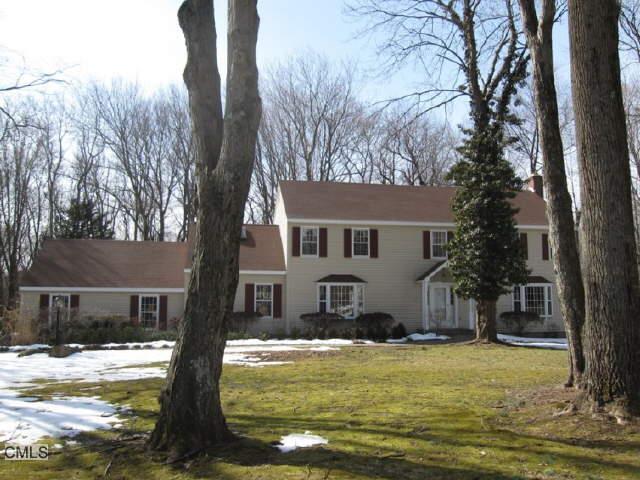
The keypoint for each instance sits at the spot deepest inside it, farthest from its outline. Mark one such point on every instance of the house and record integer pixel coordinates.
(348, 248)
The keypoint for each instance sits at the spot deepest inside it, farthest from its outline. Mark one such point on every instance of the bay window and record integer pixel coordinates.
(341, 298)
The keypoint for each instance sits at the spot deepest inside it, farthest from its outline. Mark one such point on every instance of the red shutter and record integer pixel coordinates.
(133, 309)
(373, 249)
(44, 307)
(426, 244)
(347, 243)
(295, 242)
(524, 245)
(323, 242)
(249, 293)
(74, 302)
(277, 300)
(545, 246)
(162, 323)
(44, 301)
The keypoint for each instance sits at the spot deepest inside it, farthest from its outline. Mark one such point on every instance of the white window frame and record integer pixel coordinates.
(302, 230)
(353, 242)
(52, 310)
(548, 298)
(255, 298)
(140, 322)
(433, 244)
(359, 296)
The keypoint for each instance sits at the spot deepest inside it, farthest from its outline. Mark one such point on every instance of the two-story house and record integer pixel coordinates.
(346, 248)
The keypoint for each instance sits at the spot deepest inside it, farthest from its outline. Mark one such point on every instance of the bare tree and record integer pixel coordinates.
(21, 201)
(470, 49)
(309, 123)
(609, 255)
(566, 260)
(191, 415)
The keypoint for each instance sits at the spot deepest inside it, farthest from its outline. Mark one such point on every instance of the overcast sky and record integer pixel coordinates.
(140, 40)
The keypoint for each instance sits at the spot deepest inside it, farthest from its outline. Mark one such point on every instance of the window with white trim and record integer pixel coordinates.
(264, 299)
(59, 302)
(341, 298)
(535, 298)
(360, 240)
(309, 241)
(439, 244)
(149, 308)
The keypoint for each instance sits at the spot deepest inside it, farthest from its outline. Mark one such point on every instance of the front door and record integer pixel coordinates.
(441, 307)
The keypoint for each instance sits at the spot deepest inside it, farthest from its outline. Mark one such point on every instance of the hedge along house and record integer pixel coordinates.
(345, 248)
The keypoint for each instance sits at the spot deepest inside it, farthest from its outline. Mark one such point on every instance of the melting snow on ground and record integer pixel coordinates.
(294, 441)
(26, 419)
(419, 337)
(550, 343)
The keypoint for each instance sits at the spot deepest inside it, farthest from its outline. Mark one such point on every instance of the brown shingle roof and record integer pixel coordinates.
(108, 264)
(261, 250)
(124, 264)
(387, 203)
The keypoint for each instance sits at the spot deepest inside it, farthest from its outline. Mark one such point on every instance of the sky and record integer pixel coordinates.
(140, 40)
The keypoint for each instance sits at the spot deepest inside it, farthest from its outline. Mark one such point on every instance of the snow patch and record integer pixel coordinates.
(419, 337)
(550, 343)
(294, 441)
(24, 420)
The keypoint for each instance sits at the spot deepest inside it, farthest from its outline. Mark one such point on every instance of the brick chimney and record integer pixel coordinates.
(534, 184)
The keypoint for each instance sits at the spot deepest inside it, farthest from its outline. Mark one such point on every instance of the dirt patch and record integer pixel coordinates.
(292, 355)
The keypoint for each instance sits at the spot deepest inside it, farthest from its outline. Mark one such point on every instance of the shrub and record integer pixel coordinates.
(398, 331)
(517, 322)
(320, 323)
(239, 321)
(377, 325)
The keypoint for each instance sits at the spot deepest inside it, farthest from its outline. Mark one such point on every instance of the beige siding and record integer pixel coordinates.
(101, 304)
(280, 219)
(269, 325)
(391, 278)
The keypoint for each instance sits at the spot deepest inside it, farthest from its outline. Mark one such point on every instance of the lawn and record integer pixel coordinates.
(415, 412)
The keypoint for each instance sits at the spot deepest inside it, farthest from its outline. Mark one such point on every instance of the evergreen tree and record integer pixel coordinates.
(82, 220)
(485, 255)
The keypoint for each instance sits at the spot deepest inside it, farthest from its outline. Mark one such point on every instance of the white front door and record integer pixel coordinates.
(441, 307)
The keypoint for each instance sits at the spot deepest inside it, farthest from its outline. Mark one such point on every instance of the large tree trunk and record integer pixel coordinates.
(608, 247)
(566, 260)
(191, 416)
(486, 330)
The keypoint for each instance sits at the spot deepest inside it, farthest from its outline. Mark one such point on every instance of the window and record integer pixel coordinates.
(309, 241)
(149, 311)
(344, 299)
(360, 242)
(534, 298)
(59, 302)
(264, 300)
(438, 244)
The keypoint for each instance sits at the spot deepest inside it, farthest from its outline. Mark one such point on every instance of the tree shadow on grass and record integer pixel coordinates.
(354, 456)
(134, 462)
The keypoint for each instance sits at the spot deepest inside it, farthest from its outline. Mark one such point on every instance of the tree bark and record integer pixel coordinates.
(566, 259)
(191, 417)
(608, 247)
(486, 330)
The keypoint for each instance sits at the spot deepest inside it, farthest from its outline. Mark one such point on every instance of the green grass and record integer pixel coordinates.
(449, 412)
